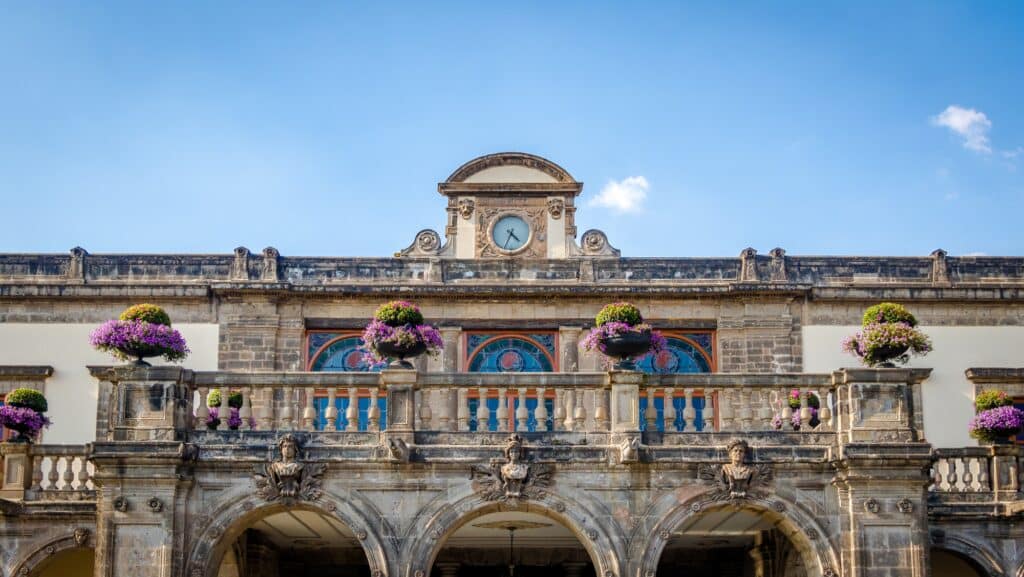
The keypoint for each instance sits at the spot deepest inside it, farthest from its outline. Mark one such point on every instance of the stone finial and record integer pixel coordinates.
(76, 266)
(240, 266)
(426, 243)
(940, 268)
(268, 270)
(778, 265)
(748, 265)
(595, 243)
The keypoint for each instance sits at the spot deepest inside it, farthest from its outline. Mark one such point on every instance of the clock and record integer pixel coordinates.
(510, 233)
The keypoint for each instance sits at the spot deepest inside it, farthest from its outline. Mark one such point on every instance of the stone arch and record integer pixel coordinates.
(801, 528)
(431, 529)
(229, 521)
(80, 538)
(978, 554)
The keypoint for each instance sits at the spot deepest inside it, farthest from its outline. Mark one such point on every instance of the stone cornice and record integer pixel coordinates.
(993, 375)
(25, 372)
(859, 375)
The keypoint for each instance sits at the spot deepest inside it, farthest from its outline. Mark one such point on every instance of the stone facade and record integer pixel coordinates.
(403, 473)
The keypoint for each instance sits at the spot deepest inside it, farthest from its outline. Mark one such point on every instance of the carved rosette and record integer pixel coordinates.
(595, 243)
(426, 243)
(287, 479)
(512, 479)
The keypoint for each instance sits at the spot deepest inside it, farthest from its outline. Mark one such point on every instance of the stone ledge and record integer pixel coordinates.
(25, 372)
(861, 375)
(993, 375)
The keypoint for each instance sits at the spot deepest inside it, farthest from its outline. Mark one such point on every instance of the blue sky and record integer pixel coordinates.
(322, 129)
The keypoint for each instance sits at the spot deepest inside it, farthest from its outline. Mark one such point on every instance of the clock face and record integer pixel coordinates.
(510, 233)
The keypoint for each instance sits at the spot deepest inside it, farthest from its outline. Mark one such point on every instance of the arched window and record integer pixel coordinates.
(510, 353)
(685, 354)
(336, 353)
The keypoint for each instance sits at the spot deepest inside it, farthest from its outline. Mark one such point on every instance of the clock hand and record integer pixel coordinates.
(505, 246)
(513, 235)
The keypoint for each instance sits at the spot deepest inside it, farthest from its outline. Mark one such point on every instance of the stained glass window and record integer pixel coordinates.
(330, 353)
(685, 354)
(511, 354)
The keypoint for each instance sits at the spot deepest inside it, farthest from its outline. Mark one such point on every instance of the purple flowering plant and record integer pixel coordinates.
(619, 319)
(127, 340)
(28, 422)
(879, 343)
(996, 424)
(400, 325)
(234, 419)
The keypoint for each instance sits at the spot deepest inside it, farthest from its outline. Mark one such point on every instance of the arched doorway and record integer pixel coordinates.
(741, 538)
(77, 562)
(946, 563)
(513, 543)
(281, 542)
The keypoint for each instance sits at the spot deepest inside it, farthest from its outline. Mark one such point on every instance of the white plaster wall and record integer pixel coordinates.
(948, 396)
(71, 392)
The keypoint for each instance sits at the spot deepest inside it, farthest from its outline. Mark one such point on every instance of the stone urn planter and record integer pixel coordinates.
(399, 353)
(397, 333)
(626, 347)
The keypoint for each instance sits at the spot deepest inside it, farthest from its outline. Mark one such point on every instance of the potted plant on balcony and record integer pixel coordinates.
(888, 335)
(621, 333)
(24, 411)
(141, 331)
(214, 402)
(397, 332)
(997, 419)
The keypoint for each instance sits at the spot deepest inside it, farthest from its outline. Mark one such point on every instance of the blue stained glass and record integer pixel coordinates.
(679, 424)
(341, 403)
(343, 355)
(317, 340)
(492, 420)
(510, 355)
(680, 357)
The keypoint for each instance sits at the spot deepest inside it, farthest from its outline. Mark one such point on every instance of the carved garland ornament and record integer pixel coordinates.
(736, 479)
(512, 480)
(286, 479)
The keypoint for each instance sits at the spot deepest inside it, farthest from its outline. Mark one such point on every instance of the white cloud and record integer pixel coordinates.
(972, 125)
(1011, 154)
(976, 254)
(626, 195)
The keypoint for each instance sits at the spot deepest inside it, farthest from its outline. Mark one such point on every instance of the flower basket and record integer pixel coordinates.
(397, 333)
(997, 425)
(142, 331)
(622, 335)
(887, 337)
(24, 413)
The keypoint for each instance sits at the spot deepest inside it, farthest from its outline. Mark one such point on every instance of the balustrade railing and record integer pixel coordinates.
(989, 469)
(60, 469)
(534, 402)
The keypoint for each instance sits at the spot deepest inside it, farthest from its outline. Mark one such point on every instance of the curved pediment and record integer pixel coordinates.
(510, 167)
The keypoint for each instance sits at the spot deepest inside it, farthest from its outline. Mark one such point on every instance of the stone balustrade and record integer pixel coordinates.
(520, 402)
(979, 475)
(46, 472)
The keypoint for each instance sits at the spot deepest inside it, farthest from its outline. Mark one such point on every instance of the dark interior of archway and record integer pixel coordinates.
(293, 543)
(949, 564)
(541, 547)
(730, 543)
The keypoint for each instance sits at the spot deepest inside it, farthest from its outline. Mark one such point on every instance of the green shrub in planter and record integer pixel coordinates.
(28, 399)
(888, 313)
(619, 312)
(398, 314)
(147, 313)
(987, 400)
(234, 399)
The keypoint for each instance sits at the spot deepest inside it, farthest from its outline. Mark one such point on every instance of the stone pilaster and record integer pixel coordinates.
(452, 337)
(569, 349)
(249, 328)
(147, 404)
(17, 470)
(625, 417)
(882, 473)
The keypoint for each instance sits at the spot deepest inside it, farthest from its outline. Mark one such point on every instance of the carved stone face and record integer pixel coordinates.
(288, 450)
(736, 455)
(466, 207)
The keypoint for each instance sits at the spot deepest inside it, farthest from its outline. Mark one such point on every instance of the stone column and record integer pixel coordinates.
(882, 474)
(569, 349)
(452, 337)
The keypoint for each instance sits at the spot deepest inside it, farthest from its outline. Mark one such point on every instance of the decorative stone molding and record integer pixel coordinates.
(556, 207)
(595, 243)
(748, 265)
(466, 208)
(286, 479)
(510, 159)
(268, 269)
(81, 536)
(905, 506)
(426, 243)
(629, 450)
(511, 480)
(778, 265)
(736, 479)
(155, 504)
(121, 503)
(940, 268)
(872, 506)
(240, 266)
(398, 450)
(76, 265)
